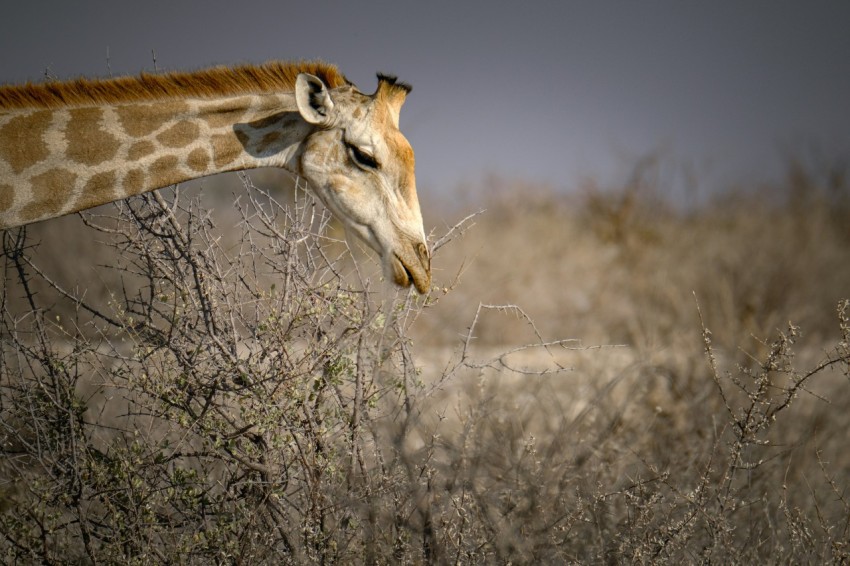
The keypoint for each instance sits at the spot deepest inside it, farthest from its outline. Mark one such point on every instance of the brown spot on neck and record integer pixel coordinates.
(134, 182)
(163, 172)
(198, 160)
(140, 149)
(227, 113)
(22, 140)
(98, 190)
(139, 120)
(180, 134)
(50, 194)
(88, 142)
(226, 149)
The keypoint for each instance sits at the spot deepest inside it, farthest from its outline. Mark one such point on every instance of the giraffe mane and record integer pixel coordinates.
(274, 76)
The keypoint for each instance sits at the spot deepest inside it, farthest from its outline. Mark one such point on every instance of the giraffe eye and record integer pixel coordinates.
(361, 158)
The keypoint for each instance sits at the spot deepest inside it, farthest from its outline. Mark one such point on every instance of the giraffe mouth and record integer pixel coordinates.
(417, 272)
(407, 262)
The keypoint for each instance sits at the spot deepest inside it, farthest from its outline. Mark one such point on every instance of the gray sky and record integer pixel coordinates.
(543, 91)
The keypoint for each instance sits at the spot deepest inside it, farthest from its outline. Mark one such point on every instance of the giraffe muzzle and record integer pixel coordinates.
(412, 265)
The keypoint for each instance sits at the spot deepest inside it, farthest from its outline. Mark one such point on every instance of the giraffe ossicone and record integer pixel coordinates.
(70, 146)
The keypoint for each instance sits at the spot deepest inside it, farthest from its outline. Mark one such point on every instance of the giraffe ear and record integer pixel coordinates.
(313, 99)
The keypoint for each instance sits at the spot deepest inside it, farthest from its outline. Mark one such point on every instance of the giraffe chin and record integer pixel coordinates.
(404, 274)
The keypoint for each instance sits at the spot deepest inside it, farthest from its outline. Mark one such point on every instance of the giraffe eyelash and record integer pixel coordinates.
(361, 158)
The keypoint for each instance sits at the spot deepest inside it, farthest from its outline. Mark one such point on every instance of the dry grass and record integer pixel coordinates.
(643, 398)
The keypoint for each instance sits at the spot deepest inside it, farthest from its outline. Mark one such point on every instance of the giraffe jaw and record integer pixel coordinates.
(406, 259)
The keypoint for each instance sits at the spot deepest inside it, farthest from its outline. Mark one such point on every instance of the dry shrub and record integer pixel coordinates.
(250, 395)
(622, 265)
(219, 407)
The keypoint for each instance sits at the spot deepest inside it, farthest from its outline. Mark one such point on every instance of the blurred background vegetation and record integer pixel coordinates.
(666, 380)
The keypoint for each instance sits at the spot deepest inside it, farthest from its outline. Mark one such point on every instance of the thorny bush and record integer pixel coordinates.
(250, 396)
(222, 407)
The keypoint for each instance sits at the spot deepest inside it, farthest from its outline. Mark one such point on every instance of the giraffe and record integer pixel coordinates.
(71, 146)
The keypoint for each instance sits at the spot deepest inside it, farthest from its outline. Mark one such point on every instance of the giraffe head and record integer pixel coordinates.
(362, 168)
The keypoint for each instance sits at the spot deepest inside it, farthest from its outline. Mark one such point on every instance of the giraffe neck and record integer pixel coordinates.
(63, 160)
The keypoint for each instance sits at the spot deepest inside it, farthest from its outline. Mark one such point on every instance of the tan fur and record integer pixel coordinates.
(66, 147)
(274, 76)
